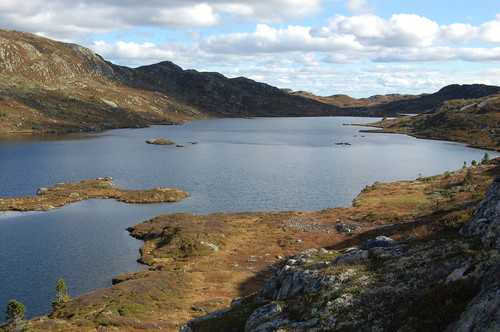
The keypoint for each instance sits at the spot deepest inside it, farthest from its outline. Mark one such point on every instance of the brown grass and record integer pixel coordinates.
(184, 284)
(65, 193)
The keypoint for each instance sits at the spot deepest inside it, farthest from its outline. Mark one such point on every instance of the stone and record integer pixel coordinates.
(270, 288)
(210, 245)
(457, 274)
(42, 191)
(237, 301)
(319, 284)
(347, 229)
(379, 241)
(386, 252)
(486, 219)
(352, 257)
(262, 315)
(482, 313)
(204, 318)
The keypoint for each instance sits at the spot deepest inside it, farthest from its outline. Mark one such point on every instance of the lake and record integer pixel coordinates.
(262, 164)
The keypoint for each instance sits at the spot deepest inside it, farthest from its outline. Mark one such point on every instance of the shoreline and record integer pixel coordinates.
(199, 263)
(48, 198)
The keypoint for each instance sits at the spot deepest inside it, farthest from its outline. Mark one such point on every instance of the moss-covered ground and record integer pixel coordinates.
(69, 192)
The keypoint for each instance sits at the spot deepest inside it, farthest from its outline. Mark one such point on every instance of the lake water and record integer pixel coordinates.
(260, 164)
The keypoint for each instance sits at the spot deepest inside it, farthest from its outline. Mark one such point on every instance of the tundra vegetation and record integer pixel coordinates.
(200, 263)
(48, 198)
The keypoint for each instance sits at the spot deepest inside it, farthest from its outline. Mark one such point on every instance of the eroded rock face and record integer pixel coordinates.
(486, 219)
(483, 312)
(263, 315)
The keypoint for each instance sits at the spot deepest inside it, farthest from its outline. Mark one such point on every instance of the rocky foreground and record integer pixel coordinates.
(394, 260)
(445, 283)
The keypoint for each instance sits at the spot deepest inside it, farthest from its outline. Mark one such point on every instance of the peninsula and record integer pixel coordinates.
(200, 263)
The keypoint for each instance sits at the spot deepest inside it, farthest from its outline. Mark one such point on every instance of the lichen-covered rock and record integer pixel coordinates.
(41, 191)
(386, 252)
(193, 322)
(353, 257)
(263, 315)
(294, 283)
(379, 241)
(486, 219)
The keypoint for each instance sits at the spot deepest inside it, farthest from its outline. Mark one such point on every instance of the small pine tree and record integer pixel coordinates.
(473, 163)
(62, 296)
(486, 159)
(468, 177)
(465, 165)
(15, 317)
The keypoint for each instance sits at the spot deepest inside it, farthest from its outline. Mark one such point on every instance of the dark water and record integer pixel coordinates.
(237, 165)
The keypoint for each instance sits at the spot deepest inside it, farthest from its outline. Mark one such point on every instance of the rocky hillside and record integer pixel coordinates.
(49, 86)
(448, 281)
(473, 121)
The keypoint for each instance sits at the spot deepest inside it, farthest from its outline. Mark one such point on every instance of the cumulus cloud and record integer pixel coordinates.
(360, 7)
(490, 31)
(369, 30)
(61, 19)
(294, 55)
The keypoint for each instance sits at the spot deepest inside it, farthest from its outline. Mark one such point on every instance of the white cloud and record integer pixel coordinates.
(490, 31)
(76, 20)
(274, 49)
(360, 7)
(369, 30)
(458, 33)
(200, 15)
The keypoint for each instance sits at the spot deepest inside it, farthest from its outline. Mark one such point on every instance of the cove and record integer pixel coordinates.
(262, 164)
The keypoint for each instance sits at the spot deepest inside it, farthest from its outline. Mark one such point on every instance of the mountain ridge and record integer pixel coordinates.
(51, 86)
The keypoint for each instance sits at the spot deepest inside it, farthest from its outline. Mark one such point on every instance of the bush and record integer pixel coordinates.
(62, 296)
(15, 318)
(442, 304)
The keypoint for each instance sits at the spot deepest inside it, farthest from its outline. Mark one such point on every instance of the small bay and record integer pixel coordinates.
(262, 164)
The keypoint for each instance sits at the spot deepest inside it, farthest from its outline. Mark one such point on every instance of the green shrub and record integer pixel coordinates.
(441, 305)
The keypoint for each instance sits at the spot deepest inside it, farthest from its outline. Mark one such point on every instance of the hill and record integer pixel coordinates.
(50, 86)
(473, 121)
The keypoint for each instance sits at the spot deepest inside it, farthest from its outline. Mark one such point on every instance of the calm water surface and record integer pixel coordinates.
(258, 164)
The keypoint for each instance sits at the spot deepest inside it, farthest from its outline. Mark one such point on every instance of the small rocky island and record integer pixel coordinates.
(48, 198)
(160, 141)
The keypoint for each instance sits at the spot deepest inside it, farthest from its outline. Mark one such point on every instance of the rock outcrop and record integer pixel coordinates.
(385, 285)
(486, 219)
(483, 312)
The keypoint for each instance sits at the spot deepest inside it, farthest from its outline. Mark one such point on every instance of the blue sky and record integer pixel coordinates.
(355, 47)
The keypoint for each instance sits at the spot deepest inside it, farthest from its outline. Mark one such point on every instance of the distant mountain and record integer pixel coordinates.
(475, 121)
(50, 86)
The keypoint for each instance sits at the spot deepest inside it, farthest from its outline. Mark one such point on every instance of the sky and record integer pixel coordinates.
(355, 47)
